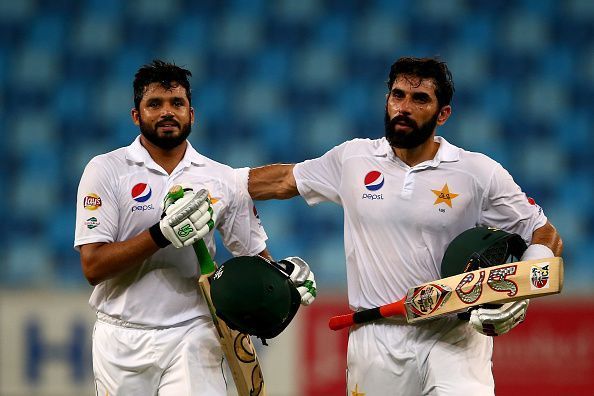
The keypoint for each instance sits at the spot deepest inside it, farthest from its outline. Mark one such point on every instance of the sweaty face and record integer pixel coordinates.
(412, 112)
(165, 117)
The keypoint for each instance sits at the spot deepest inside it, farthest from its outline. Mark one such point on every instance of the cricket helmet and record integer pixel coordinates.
(253, 295)
(481, 247)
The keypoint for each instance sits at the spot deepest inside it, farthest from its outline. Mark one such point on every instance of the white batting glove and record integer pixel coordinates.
(302, 277)
(187, 218)
(498, 321)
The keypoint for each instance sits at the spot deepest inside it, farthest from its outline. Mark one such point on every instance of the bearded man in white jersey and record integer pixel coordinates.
(154, 334)
(405, 197)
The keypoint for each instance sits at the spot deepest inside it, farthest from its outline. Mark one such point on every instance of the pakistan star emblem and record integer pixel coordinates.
(444, 196)
(356, 391)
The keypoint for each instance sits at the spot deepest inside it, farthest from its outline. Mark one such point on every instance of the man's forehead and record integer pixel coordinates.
(412, 82)
(157, 89)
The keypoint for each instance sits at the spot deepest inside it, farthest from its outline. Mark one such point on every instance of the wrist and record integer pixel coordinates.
(537, 251)
(158, 237)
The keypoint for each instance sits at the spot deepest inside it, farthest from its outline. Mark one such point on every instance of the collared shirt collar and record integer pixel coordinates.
(137, 153)
(447, 152)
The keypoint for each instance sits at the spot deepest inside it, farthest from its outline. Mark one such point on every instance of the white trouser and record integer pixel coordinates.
(440, 358)
(174, 361)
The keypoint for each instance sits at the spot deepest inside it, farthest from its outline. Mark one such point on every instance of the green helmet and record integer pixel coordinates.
(253, 295)
(480, 247)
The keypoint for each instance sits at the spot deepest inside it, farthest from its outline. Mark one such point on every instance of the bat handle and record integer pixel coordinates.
(207, 266)
(367, 315)
(341, 321)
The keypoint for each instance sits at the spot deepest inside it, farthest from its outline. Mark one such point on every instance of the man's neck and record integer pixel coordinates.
(414, 156)
(168, 159)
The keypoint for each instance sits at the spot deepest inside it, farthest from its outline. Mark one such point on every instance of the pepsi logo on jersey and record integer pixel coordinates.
(374, 180)
(141, 192)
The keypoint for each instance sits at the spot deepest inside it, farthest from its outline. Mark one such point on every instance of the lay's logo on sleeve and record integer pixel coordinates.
(92, 201)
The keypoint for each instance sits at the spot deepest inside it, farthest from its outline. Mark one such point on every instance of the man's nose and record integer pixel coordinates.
(167, 111)
(404, 107)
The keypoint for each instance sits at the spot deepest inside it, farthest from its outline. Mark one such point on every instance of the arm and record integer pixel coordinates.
(184, 221)
(272, 182)
(548, 236)
(102, 261)
(546, 243)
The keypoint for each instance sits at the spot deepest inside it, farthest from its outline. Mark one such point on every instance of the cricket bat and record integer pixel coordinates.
(237, 347)
(493, 285)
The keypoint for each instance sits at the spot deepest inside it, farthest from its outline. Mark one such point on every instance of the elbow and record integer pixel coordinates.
(556, 241)
(90, 273)
(93, 281)
(559, 248)
(90, 266)
(547, 235)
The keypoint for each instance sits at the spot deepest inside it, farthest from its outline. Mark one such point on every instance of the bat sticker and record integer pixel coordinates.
(427, 299)
(498, 280)
(472, 295)
(539, 276)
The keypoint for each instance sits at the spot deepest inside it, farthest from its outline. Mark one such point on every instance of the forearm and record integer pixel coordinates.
(272, 182)
(102, 261)
(548, 236)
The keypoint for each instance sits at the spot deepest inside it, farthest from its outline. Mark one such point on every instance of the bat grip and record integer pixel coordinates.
(207, 266)
(342, 321)
(367, 315)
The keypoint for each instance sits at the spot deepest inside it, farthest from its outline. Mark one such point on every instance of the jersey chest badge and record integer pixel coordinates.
(141, 193)
(373, 181)
(444, 196)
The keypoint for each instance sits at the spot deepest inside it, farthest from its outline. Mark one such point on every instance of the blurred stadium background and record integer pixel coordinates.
(283, 81)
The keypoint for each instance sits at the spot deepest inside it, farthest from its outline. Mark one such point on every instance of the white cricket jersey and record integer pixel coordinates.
(121, 195)
(399, 220)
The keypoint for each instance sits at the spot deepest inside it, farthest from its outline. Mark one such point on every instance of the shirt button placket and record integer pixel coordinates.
(408, 185)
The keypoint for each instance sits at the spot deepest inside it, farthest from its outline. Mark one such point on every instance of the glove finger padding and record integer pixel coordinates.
(302, 277)
(308, 290)
(201, 217)
(494, 322)
(187, 219)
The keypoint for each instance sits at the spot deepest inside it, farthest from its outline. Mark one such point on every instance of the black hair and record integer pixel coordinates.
(163, 73)
(426, 68)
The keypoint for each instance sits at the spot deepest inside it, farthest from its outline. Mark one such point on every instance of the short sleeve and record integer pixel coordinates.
(96, 206)
(506, 206)
(318, 180)
(241, 230)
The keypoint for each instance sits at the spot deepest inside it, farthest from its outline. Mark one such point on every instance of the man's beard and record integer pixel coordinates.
(168, 141)
(417, 136)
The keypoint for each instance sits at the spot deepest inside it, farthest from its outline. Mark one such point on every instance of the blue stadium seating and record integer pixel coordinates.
(285, 81)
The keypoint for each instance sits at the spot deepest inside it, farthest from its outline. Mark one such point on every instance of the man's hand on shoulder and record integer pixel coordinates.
(187, 217)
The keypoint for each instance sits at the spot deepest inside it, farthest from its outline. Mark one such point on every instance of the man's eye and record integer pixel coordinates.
(153, 104)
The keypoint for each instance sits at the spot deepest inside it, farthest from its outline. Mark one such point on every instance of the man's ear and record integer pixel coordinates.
(444, 114)
(135, 116)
